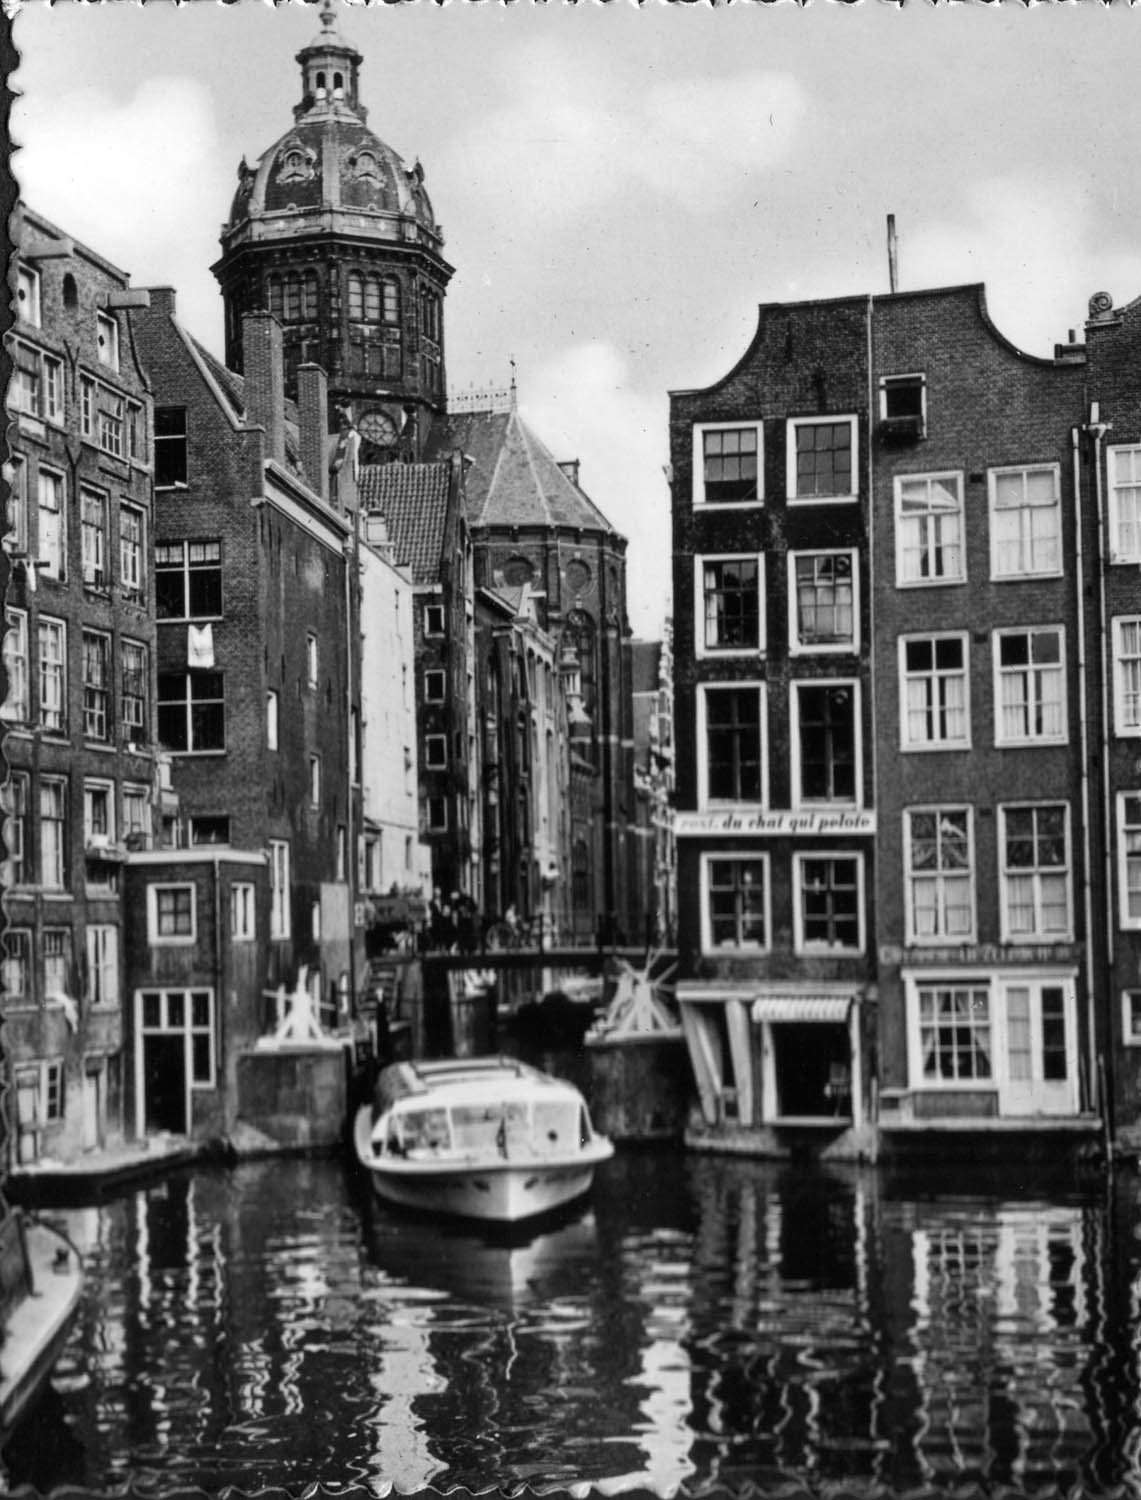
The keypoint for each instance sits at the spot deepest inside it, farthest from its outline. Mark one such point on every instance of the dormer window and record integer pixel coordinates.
(903, 406)
(28, 308)
(107, 334)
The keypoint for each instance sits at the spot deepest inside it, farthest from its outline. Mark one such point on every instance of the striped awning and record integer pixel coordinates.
(802, 1008)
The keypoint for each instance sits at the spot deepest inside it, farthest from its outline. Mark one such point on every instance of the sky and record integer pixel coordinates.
(620, 186)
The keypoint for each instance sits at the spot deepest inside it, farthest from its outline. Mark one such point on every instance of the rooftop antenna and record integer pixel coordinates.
(892, 255)
(514, 389)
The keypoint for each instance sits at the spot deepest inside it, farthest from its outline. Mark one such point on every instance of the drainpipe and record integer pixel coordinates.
(355, 752)
(1095, 1077)
(223, 1051)
(870, 646)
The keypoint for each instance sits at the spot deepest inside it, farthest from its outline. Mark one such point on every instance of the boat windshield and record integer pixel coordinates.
(425, 1130)
(502, 1127)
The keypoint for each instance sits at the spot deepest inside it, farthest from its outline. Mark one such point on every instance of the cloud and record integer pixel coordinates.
(581, 403)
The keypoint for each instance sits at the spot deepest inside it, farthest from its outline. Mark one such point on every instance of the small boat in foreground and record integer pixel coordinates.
(42, 1283)
(485, 1137)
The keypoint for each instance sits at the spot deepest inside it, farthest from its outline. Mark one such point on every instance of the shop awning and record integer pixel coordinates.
(802, 1008)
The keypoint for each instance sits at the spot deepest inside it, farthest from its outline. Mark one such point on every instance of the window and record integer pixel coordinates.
(242, 912)
(28, 306)
(188, 580)
(191, 711)
(96, 685)
(53, 833)
(730, 604)
(170, 914)
(1035, 872)
(1129, 857)
(186, 1015)
(829, 902)
(373, 299)
(1026, 521)
(16, 966)
(98, 814)
(1036, 1046)
(933, 692)
(102, 986)
(735, 902)
(903, 405)
(342, 865)
(827, 727)
(16, 707)
(57, 962)
(929, 529)
(1131, 1017)
(280, 921)
(1124, 504)
(51, 554)
(939, 869)
(954, 1032)
(136, 816)
(107, 340)
(102, 415)
(16, 503)
(52, 641)
(373, 850)
(822, 595)
(435, 685)
(133, 693)
(731, 737)
(314, 781)
(136, 432)
(437, 814)
(1127, 675)
(822, 458)
(270, 719)
(311, 660)
(170, 446)
(315, 921)
(727, 464)
(209, 828)
(36, 387)
(1030, 692)
(436, 751)
(14, 801)
(131, 551)
(433, 619)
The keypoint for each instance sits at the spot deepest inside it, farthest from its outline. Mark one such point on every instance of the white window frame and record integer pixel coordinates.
(953, 981)
(945, 479)
(134, 730)
(704, 799)
(93, 536)
(1037, 935)
(100, 707)
(42, 398)
(735, 856)
(429, 682)
(157, 939)
(830, 420)
(311, 660)
(280, 910)
(16, 505)
(798, 797)
(136, 798)
(1128, 855)
(101, 985)
(801, 943)
(701, 646)
(940, 877)
(434, 619)
(17, 705)
(243, 911)
(106, 791)
(1025, 542)
(1125, 726)
(17, 978)
(936, 675)
(315, 781)
(28, 305)
(1124, 502)
(1131, 1017)
(796, 646)
(1031, 671)
(52, 674)
(132, 553)
(107, 340)
(271, 719)
(51, 484)
(698, 488)
(906, 379)
(435, 752)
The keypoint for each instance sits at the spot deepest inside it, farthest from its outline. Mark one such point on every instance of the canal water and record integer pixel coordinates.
(700, 1321)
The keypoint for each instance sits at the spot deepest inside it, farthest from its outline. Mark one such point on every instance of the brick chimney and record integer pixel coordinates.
(264, 370)
(313, 417)
(162, 300)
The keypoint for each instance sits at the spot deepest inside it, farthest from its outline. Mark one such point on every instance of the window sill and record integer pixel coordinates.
(953, 746)
(930, 583)
(703, 505)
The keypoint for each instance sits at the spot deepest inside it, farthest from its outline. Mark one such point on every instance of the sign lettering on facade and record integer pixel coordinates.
(815, 822)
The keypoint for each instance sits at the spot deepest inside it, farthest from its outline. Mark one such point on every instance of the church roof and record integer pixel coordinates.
(413, 498)
(513, 479)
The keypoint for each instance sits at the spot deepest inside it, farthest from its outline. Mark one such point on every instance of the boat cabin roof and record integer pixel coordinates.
(466, 1081)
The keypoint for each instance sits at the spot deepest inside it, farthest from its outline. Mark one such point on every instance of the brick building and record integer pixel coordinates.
(79, 656)
(654, 780)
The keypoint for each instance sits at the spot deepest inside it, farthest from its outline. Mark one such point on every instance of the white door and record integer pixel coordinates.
(1041, 1049)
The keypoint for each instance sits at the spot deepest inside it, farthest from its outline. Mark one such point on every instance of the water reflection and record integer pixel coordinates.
(700, 1320)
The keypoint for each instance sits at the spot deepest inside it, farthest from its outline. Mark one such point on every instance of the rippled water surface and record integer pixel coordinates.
(700, 1320)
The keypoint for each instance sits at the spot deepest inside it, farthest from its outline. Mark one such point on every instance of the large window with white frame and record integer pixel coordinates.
(1030, 686)
(108, 419)
(102, 976)
(16, 967)
(15, 474)
(107, 340)
(188, 580)
(52, 644)
(53, 830)
(828, 902)
(1124, 465)
(192, 712)
(1129, 857)
(57, 963)
(822, 458)
(134, 691)
(190, 1015)
(728, 463)
(731, 742)
(136, 816)
(132, 550)
(28, 298)
(929, 540)
(16, 707)
(243, 912)
(1126, 638)
(939, 875)
(280, 910)
(734, 902)
(823, 601)
(172, 918)
(96, 685)
(98, 814)
(1034, 859)
(36, 387)
(934, 692)
(51, 553)
(826, 735)
(954, 1026)
(17, 868)
(1025, 521)
(730, 604)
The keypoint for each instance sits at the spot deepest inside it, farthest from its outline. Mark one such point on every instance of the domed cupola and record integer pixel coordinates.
(337, 237)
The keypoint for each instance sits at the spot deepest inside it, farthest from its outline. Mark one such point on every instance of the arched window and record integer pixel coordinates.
(320, 83)
(338, 85)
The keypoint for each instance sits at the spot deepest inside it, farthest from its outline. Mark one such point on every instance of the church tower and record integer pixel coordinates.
(337, 238)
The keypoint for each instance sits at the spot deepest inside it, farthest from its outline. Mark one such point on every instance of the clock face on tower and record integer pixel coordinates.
(378, 428)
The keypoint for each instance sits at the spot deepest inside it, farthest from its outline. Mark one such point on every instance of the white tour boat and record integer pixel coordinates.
(484, 1137)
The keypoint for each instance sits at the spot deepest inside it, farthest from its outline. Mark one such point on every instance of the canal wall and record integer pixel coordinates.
(291, 1099)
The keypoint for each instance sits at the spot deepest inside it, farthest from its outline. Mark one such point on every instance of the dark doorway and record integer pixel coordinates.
(812, 1068)
(164, 1083)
